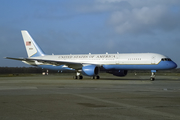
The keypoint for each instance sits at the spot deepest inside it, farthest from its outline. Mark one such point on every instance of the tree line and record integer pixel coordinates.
(18, 70)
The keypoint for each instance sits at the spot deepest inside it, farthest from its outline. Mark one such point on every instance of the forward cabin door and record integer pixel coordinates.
(153, 60)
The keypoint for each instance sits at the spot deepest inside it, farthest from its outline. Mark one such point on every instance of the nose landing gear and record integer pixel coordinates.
(152, 78)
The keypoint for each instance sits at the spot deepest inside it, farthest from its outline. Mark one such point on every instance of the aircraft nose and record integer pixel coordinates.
(173, 65)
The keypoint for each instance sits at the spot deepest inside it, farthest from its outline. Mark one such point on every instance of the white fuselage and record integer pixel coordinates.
(106, 59)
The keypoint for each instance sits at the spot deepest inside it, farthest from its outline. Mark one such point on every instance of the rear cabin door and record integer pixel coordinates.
(117, 61)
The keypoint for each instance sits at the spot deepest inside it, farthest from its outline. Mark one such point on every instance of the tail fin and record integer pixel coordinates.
(32, 48)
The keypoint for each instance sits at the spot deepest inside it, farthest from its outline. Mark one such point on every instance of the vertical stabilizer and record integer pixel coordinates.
(32, 48)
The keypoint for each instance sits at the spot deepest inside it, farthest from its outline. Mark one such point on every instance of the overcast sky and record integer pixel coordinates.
(90, 26)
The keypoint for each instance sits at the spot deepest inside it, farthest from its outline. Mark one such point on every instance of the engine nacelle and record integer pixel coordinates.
(119, 73)
(90, 70)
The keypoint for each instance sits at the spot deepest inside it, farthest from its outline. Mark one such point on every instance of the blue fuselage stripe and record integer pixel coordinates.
(163, 65)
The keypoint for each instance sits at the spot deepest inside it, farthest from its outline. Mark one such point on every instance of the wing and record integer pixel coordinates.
(32, 61)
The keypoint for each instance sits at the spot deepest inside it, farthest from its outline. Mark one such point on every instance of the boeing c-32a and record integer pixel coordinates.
(92, 64)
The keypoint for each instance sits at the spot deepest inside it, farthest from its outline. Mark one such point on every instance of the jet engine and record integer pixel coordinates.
(90, 70)
(119, 73)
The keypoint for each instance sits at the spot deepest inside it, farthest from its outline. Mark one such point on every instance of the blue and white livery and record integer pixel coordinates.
(92, 64)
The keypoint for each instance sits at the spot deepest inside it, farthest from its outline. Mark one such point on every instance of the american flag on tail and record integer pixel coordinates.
(28, 43)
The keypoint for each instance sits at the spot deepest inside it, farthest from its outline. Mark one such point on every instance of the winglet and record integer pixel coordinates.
(32, 48)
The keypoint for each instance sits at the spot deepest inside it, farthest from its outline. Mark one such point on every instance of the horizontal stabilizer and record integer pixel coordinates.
(21, 59)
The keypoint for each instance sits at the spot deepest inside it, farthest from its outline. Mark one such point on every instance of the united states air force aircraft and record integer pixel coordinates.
(92, 64)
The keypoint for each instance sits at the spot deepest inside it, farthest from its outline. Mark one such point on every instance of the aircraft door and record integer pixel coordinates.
(153, 60)
(117, 60)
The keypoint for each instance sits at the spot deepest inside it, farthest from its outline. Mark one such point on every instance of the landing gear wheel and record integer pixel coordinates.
(152, 79)
(95, 77)
(80, 77)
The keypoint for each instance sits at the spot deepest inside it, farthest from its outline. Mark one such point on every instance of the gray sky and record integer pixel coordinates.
(93, 26)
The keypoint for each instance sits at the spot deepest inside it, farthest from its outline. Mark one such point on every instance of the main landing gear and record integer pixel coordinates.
(152, 78)
(95, 77)
(79, 76)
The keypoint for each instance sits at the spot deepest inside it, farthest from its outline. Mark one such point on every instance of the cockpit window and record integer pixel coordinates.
(166, 59)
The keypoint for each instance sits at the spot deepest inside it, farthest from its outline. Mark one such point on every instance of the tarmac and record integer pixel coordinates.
(59, 97)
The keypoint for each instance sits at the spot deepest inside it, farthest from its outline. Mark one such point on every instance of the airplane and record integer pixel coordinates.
(91, 64)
